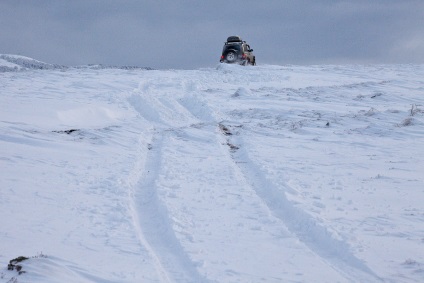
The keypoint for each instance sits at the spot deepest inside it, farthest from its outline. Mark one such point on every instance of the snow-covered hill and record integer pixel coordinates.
(14, 63)
(10, 63)
(226, 174)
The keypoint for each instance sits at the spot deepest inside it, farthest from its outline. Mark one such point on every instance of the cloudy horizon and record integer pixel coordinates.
(190, 34)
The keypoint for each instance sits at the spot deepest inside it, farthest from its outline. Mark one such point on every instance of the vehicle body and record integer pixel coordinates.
(236, 50)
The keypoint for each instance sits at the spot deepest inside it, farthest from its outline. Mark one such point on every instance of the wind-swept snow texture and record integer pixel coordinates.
(226, 174)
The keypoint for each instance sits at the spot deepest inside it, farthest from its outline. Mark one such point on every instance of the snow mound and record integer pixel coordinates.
(228, 68)
(89, 116)
(13, 63)
(49, 269)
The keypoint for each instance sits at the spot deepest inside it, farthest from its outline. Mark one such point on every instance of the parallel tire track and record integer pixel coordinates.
(334, 252)
(150, 215)
(153, 226)
(316, 237)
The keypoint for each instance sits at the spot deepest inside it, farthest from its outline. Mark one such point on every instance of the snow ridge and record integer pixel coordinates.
(14, 63)
(19, 63)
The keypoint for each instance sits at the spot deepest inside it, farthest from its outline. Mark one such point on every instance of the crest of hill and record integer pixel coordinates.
(11, 63)
(15, 63)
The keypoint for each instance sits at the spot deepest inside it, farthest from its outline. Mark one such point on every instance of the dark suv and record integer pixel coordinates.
(237, 51)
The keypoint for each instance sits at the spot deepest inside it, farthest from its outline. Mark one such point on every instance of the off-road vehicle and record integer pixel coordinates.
(237, 51)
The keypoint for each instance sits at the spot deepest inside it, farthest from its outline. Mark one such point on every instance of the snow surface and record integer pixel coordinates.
(226, 174)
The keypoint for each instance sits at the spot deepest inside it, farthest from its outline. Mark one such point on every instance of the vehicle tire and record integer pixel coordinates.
(231, 57)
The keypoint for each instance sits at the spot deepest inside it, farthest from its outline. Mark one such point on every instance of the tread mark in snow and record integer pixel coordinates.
(316, 237)
(152, 223)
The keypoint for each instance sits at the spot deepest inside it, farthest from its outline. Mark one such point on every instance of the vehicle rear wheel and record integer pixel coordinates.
(231, 57)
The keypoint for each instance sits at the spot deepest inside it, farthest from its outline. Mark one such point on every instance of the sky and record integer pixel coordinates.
(188, 34)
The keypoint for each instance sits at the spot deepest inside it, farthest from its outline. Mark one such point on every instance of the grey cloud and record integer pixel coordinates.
(190, 34)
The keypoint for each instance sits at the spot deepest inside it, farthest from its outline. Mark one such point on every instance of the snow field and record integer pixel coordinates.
(226, 174)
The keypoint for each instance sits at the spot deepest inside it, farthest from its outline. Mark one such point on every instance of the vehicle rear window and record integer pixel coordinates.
(232, 46)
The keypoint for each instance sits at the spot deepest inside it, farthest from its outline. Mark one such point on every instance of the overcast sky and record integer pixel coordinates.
(187, 34)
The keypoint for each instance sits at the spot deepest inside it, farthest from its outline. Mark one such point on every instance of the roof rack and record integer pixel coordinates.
(234, 38)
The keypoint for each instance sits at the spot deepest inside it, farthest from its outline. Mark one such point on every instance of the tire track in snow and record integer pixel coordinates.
(316, 237)
(334, 252)
(150, 215)
(152, 223)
